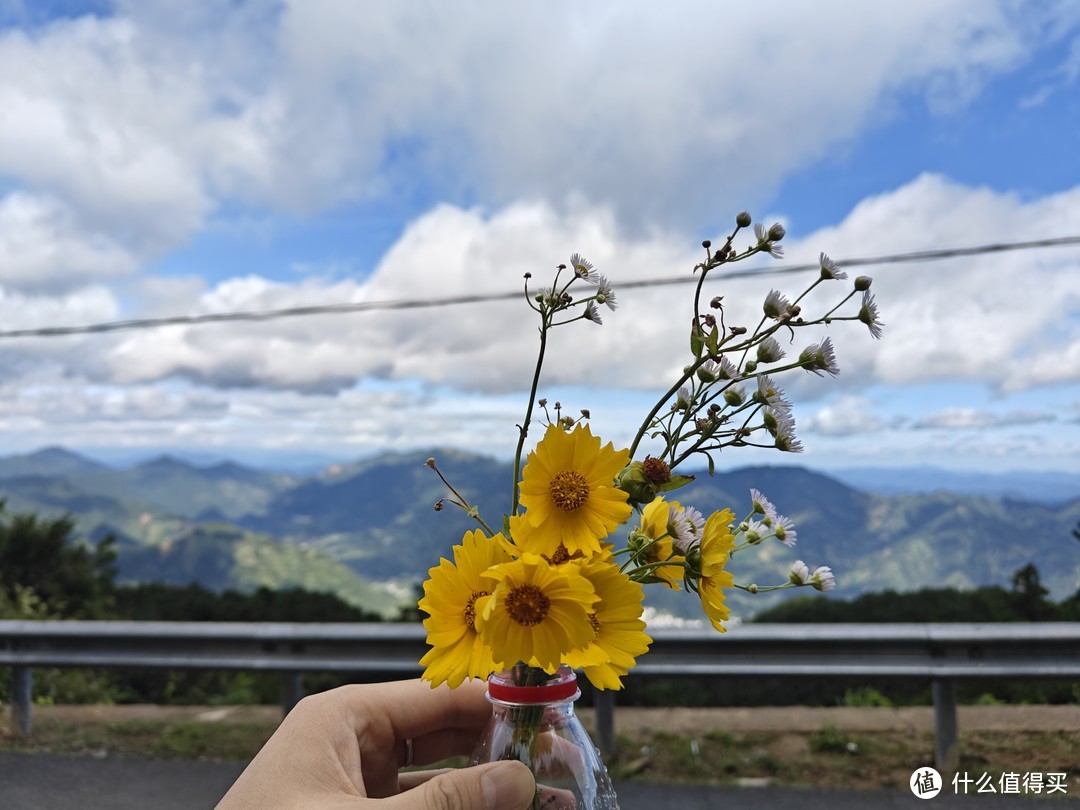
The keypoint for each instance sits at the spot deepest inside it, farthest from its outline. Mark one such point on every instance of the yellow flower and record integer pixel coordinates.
(450, 596)
(658, 543)
(618, 630)
(716, 544)
(567, 489)
(536, 613)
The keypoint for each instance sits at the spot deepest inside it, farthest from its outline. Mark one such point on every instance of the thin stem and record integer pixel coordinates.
(523, 429)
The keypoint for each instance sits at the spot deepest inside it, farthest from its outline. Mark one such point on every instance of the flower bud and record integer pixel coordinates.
(776, 232)
(742, 219)
(693, 561)
(706, 244)
(862, 283)
(636, 484)
(735, 396)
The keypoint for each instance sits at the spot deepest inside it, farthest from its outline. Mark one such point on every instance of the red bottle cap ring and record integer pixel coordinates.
(550, 693)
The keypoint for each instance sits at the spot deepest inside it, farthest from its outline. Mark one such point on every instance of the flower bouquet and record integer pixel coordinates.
(557, 585)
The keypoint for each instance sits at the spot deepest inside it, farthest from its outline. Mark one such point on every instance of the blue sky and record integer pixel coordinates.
(160, 158)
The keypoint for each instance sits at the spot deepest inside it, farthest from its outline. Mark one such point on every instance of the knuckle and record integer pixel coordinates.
(449, 794)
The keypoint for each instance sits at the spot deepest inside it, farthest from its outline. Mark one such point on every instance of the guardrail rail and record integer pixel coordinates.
(939, 653)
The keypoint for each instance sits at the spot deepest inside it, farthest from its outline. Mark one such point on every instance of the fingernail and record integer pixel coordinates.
(507, 786)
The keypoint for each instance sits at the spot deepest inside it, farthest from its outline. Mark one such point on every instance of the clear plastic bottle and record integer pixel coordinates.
(537, 725)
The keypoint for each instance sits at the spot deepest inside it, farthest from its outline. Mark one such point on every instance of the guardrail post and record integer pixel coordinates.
(604, 705)
(292, 690)
(946, 745)
(22, 698)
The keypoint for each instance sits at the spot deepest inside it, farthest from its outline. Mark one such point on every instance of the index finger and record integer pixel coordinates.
(441, 722)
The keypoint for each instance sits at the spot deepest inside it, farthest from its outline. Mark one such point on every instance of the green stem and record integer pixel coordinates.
(524, 428)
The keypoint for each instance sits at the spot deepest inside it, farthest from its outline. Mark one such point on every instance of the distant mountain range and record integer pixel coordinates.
(367, 530)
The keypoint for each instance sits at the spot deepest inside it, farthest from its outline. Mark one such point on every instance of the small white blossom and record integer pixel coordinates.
(769, 351)
(709, 371)
(769, 393)
(776, 304)
(822, 579)
(685, 525)
(820, 357)
(727, 369)
(767, 239)
(829, 269)
(754, 531)
(683, 399)
(800, 573)
(604, 293)
(581, 266)
(784, 530)
(592, 313)
(868, 314)
(781, 424)
(762, 506)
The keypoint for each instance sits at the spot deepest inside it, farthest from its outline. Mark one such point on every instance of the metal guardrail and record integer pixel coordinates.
(939, 653)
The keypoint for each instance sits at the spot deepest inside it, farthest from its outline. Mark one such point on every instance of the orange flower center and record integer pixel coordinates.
(527, 605)
(569, 490)
(656, 470)
(470, 608)
(561, 556)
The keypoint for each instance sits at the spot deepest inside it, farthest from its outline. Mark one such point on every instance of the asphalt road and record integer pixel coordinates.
(50, 782)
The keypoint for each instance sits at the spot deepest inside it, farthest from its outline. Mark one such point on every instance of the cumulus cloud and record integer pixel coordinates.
(848, 416)
(43, 247)
(122, 135)
(960, 319)
(976, 419)
(144, 120)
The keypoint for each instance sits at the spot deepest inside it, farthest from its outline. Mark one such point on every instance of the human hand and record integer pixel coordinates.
(343, 749)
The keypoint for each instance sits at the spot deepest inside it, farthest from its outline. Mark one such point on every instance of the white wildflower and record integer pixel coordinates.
(822, 579)
(829, 269)
(800, 573)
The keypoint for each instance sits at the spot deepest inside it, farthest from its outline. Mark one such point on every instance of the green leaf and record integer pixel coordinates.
(712, 341)
(697, 342)
(676, 482)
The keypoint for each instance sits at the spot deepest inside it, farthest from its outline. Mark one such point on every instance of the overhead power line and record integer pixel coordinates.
(371, 306)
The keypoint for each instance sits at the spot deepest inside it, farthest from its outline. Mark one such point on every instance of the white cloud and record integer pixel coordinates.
(962, 418)
(848, 416)
(44, 248)
(144, 121)
(576, 124)
(668, 122)
(1007, 319)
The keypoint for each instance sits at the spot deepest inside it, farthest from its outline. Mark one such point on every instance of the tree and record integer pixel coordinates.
(1029, 596)
(72, 578)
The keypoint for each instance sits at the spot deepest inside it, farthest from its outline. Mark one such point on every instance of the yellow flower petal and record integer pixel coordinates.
(537, 612)
(568, 493)
(451, 594)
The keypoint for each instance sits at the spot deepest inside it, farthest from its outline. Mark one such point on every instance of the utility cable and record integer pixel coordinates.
(370, 306)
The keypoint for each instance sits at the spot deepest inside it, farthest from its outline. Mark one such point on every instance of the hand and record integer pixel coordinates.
(343, 748)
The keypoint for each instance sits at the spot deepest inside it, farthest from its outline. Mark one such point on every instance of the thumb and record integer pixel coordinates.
(494, 786)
